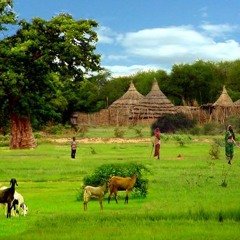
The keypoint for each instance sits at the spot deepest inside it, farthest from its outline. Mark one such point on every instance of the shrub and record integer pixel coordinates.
(214, 151)
(170, 123)
(234, 121)
(82, 130)
(139, 132)
(196, 130)
(104, 172)
(54, 129)
(118, 132)
(213, 129)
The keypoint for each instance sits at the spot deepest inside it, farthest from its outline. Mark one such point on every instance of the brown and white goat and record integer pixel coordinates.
(121, 183)
(7, 196)
(94, 192)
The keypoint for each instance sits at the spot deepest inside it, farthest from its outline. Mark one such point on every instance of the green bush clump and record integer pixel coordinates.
(118, 132)
(214, 151)
(213, 129)
(4, 137)
(170, 123)
(104, 172)
(139, 132)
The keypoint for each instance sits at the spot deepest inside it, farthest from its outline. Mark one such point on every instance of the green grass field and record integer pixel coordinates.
(186, 199)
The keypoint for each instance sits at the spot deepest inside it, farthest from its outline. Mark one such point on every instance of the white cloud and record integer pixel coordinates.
(120, 70)
(170, 45)
(117, 57)
(105, 35)
(219, 30)
(204, 12)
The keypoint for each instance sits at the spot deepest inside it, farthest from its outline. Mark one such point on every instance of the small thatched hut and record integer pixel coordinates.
(120, 110)
(221, 109)
(152, 106)
(128, 100)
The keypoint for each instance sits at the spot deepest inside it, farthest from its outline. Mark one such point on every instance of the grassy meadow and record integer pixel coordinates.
(186, 198)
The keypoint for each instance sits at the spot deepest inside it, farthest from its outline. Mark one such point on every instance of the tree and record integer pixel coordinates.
(7, 15)
(193, 82)
(35, 64)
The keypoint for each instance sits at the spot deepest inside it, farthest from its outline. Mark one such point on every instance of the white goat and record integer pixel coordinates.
(18, 205)
(94, 192)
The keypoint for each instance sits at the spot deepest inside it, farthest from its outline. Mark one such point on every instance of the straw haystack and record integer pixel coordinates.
(153, 105)
(129, 99)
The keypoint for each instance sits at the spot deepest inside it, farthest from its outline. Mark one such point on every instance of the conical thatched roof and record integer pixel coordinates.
(154, 104)
(129, 99)
(224, 100)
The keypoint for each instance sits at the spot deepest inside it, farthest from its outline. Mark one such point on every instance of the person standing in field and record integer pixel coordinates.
(229, 144)
(157, 143)
(73, 147)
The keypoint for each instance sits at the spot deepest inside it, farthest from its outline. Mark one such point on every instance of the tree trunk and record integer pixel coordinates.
(21, 133)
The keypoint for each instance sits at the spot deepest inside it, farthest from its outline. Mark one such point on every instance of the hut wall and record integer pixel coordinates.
(100, 118)
(126, 117)
(221, 113)
(119, 117)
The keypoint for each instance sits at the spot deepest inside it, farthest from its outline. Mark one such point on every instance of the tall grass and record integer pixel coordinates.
(185, 199)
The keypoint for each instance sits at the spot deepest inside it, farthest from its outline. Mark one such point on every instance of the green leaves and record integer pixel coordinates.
(42, 58)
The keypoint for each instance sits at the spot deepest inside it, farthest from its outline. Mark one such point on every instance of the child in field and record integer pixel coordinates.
(73, 147)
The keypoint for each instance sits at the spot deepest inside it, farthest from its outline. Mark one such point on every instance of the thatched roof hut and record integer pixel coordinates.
(129, 99)
(153, 105)
(120, 110)
(237, 103)
(224, 100)
(221, 109)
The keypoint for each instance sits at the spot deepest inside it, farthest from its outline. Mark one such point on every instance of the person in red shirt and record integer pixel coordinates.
(157, 143)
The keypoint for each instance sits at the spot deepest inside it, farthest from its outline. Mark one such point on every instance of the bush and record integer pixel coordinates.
(82, 130)
(54, 129)
(214, 151)
(118, 132)
(213, 129)
(170, 123)
(235, 122)
(104, 172)
(139, 132)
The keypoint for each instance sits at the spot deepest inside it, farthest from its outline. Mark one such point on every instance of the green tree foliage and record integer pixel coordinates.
(41, 59)
(192, 82)
(7, 15)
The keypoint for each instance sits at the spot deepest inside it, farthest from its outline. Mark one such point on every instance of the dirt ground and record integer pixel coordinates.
(102, 140)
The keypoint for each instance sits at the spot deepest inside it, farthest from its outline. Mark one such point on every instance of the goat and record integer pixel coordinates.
(7, 196)
(94, 192)
(121, 183)
(18, 204)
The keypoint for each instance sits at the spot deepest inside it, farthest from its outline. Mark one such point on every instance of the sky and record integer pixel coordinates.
(142, 35)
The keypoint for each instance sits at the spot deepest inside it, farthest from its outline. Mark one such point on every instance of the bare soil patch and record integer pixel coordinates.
(101, 140)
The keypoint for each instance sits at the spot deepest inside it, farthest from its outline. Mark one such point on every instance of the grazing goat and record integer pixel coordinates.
(7, 196)
(121, 183)
(94, 192)
(18, 205)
